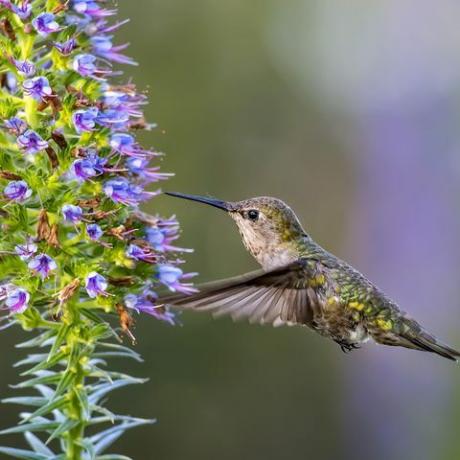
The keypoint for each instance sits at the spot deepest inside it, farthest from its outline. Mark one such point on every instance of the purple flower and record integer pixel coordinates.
(141, 304)
(91, 8)
(25, 68)
(113, 118)
(17, 300)
(102, 46)
(96, 285)
(31, 142)
(37, 87)
(45, 24)
(138, 166)
(11, 83)
(85, 64)
(94, 231)
(42, 265)
(161, 238)
(72, 213)
(23, 10)
(136, 252)
(90, 166)
(128, 100)
(65, 48)
(126, 145)
(26, 251)
(16, 125)
(122, 191)
(170, 276)
(85, 120)
(17, 190)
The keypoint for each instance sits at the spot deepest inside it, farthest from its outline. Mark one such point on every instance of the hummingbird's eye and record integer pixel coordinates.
(253, 214)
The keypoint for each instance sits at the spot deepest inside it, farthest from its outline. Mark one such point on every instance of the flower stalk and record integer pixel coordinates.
(77, 258)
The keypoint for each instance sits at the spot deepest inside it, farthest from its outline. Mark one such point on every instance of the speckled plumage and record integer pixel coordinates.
(301, 283)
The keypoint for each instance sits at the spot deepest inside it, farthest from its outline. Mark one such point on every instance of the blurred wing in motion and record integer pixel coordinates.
(276, 297)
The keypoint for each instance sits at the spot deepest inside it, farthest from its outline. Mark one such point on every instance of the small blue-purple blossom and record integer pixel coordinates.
(94, 231)
(125, 144)
(136, 252)
(95, 285)
(103, 46)
(91, 8)
(171, 277)
(25, 68)
(17, 190)
(130, 101)
(85, 65)
(42, 265)
(45, 24)
(11, 83)
(17, 300)
(26, 251)
(85, 120)
(16, 125)
(160, 238)
(113, 118)
(141, 304)
(38, 88)
(65, 48)
(31, 142)
(139, 167)
(90, 166)
(23, 10)
(122, 191)
(72, 213)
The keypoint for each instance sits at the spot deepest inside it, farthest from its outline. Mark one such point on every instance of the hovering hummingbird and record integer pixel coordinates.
(302, 284)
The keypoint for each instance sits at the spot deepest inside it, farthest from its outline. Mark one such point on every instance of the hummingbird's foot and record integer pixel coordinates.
(346, 347)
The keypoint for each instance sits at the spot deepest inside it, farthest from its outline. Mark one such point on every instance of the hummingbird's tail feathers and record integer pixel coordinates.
(422, 340)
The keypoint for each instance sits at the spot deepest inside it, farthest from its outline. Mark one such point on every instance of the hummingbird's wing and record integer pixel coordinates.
(281, 296)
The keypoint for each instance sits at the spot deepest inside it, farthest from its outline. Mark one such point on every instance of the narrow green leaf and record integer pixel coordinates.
(99, 391)
(46, 364)
(35, 426)
(113, 457)
(62, 334)
(36, 341)
(64, 383)
(62, 428)
(24, 454)
(38, 445)
(50, 377)
(107, 437)
(25, 400)
(31, 359)
(118, 354)
(55, 404)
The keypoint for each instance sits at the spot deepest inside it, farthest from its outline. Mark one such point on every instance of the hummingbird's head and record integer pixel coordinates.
(269, 227)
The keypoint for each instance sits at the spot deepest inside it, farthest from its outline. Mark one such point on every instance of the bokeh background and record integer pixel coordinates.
(350, 112)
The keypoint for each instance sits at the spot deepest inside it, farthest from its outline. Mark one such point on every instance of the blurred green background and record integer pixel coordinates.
(349, 112)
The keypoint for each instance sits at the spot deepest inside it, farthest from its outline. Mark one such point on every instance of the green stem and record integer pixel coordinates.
(75, 409)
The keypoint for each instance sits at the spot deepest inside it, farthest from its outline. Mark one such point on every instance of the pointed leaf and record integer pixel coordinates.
(37, 445)
(62, 334)
(24, 454)
(25, 400)
(62, 428)
(35, 426)
(56, 404)
(101, 390)
(44, 364)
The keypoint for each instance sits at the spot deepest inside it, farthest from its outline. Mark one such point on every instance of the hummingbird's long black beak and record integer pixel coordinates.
(226, 206)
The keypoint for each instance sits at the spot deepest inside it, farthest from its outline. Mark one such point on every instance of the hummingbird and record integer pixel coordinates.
(301, 283)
